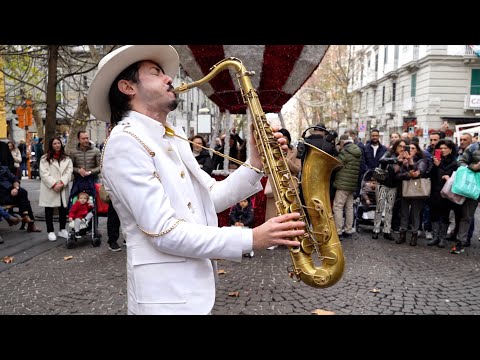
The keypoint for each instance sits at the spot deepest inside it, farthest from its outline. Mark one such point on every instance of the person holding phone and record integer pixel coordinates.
(386, 193)
(440, 208)
(414, 166)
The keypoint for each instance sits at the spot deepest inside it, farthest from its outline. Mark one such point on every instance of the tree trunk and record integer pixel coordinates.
(79, 123)
(37, 117)
(51, 119)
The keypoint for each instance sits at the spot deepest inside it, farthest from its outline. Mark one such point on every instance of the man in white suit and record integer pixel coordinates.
(166, 203)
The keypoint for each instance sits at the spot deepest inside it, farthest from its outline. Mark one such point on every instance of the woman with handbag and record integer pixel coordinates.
(442, 169)
(386, 193)
(415, 189)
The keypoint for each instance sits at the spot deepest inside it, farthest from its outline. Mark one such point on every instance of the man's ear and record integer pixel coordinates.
(125, 87)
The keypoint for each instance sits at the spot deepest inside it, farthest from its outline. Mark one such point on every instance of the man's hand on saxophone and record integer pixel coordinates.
(254, 155)
(278, 230)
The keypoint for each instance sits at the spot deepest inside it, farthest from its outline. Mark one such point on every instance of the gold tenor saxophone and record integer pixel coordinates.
(312, 201)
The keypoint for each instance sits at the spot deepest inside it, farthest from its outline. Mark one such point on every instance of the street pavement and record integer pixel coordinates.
(380, 278)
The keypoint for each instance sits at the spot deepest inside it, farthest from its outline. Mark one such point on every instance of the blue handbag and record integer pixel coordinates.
(466, 183)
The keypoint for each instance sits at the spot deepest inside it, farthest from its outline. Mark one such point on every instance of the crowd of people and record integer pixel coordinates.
(400, 207)
(172, 233)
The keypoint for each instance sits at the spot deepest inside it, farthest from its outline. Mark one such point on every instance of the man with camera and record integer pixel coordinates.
(323, 139)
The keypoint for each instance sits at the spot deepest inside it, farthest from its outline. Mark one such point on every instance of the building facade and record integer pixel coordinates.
(414, 88)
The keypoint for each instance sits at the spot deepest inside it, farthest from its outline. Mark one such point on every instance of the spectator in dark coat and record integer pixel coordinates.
(12, 194)
(373, 152)
(202, 155)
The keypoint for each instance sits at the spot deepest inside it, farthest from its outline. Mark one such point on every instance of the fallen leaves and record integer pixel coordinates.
(234, 293)
(322, 312)
(375, 290)
(67, 257)
(8, 259)
(221, 272)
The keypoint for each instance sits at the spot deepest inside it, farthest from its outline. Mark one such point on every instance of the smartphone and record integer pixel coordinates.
(407, 148)
(438, 154)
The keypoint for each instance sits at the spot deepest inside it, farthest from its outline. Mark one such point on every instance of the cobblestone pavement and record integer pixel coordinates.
(380, 277)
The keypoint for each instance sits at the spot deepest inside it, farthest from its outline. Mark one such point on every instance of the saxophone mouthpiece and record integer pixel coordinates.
(181, 89)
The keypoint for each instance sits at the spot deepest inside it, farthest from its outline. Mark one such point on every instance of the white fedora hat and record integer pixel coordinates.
(117, 61)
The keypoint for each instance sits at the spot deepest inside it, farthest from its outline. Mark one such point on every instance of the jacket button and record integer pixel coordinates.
(182, 174)
(189, 205)
(169, 149)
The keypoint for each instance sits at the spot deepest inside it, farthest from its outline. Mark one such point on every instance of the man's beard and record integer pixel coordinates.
(173, 104)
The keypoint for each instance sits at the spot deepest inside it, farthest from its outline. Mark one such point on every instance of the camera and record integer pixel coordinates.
(331, 135)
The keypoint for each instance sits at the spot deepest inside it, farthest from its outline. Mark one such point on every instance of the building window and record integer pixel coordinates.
(383, 96)
(413, 91)
(376, 62)
(394, 91)
(475, 86)
(385, 58)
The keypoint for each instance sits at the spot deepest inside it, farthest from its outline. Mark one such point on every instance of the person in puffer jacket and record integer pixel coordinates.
(470, 158)
(346, 183)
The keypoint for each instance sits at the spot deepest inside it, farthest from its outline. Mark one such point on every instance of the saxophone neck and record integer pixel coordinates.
(231, 62)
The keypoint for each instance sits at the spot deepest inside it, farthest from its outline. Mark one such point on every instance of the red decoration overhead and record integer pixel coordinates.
(280, 70)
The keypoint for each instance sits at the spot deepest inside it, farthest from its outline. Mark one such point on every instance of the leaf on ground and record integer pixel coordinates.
(8, 259)
(322, 312)
(67, 257)
(221, 271)
(234, 293)
(375, 290)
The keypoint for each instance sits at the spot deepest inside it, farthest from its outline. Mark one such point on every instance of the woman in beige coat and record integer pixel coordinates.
(56, 171)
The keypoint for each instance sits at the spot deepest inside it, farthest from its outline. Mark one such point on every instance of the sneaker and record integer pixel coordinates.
(124, 242)
(350, 232)
(428, 235)
(77, 235)
(52, 236)
(114, 247)
(63, 233)
(1, 240)
(456, 250)
(419, 233)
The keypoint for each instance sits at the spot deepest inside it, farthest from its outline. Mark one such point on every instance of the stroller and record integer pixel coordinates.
(87, 185)
(34, 166)
(363, 214)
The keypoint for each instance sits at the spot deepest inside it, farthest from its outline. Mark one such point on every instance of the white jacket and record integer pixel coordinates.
(168, 266)
(50, 173)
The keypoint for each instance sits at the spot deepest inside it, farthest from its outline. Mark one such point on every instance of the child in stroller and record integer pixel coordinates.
(367, 194)
(83, 217)
(81, 213)
(365, 204)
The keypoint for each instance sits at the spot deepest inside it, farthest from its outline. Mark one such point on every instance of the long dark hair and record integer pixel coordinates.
(120, 102)
(51, 152)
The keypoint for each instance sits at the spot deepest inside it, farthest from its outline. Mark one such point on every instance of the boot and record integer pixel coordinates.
(442, 233)
(435, 232)
(13, 220)
(402, 238)
(413, 239)
(26, 219)
(32, 228)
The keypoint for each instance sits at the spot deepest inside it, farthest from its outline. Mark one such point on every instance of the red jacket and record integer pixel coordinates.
(79, 210)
